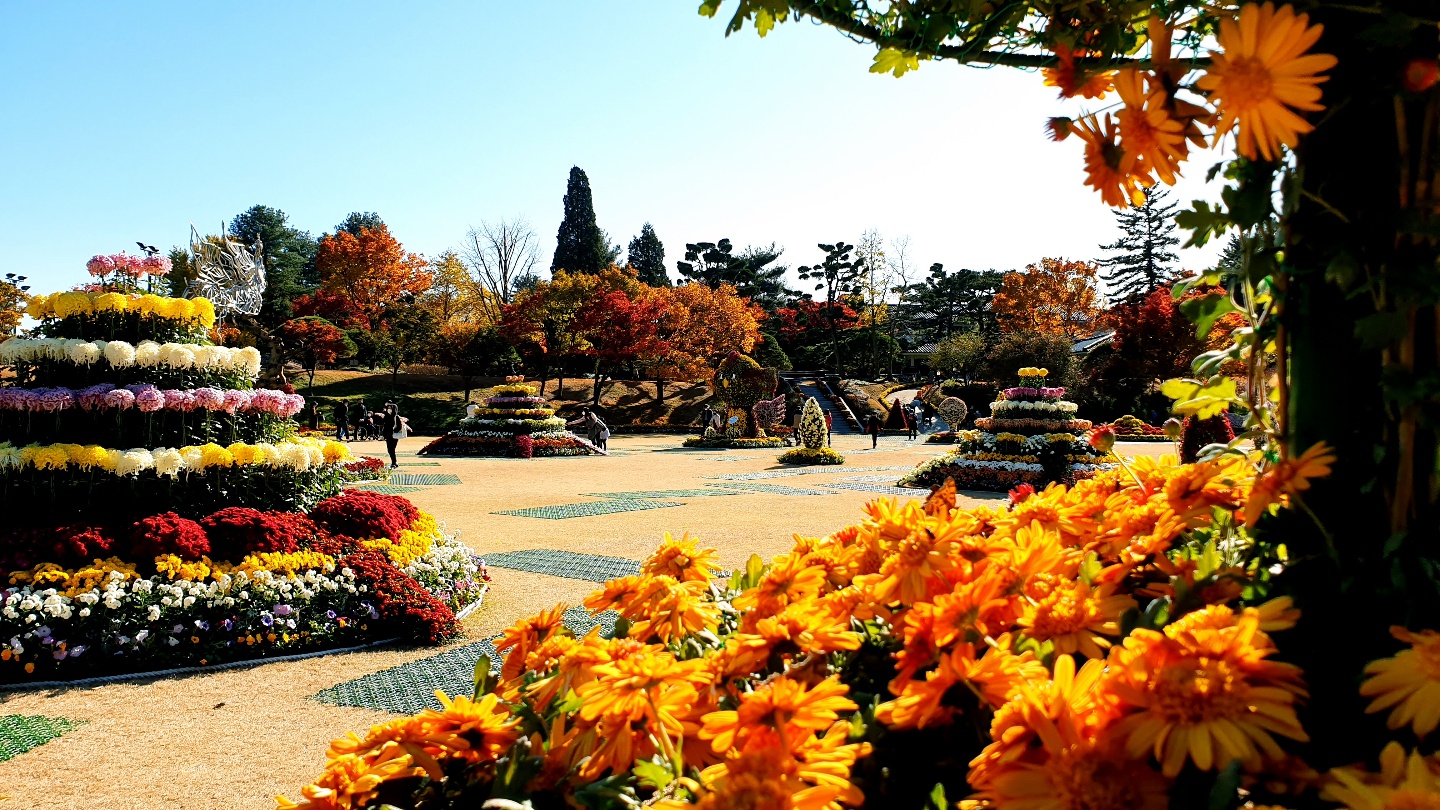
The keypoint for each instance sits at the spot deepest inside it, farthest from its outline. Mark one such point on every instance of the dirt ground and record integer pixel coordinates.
(234, 739)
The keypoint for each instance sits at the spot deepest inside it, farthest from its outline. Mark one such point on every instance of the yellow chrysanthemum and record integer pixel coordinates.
(213, 455)
(1407, 684)
(1262, 76)
(682, 559)
(110, 302)
(1404, 783)
(204, 311)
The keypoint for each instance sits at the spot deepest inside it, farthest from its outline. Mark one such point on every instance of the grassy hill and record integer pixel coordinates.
(434, 402)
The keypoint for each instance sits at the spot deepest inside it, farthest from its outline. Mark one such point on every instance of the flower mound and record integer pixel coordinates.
(805, 455)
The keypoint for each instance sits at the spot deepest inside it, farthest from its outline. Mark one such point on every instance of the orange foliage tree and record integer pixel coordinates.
(701, 326)
(1056, 296)
(372, 270)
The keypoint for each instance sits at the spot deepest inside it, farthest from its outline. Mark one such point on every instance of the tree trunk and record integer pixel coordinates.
(595, 389)
(469, 381)
(544, 374)
(659, 389)
(1378, 506)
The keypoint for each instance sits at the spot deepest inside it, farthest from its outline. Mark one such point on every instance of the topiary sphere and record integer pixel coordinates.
(953, 411)
(812, 425)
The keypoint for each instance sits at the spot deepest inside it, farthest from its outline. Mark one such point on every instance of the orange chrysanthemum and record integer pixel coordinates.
(475, 731)
(1073, 615)
(1408, 684)
(788, 580)
(522, 637)
(1118, 175)
(1288, 478)
(1404, 783)
(682, 559)
(783, 705)
(1071, 79)
(1263, 76)
(1146, 128)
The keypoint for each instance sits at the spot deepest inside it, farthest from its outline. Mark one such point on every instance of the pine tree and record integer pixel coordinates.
(288, 252)
(753, 273)
(1143, 259)
(647, 257)
(580, 246)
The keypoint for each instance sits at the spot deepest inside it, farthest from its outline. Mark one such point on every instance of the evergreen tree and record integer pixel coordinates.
(647, 256)
(1142, 260)
(289, 254)
(948, 303)
(358, 221)
(753, 273)
(581, 247)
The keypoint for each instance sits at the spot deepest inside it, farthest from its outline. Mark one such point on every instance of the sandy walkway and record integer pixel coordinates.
(233, 739)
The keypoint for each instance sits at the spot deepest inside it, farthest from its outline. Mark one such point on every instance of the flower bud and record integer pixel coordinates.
(1172, 428)
(1103, 438)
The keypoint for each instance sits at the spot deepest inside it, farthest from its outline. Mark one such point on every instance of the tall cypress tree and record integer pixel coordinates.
(1142, 260)
(580, 245)
(647, 256)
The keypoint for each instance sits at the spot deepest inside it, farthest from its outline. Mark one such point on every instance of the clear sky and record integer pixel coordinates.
(126, 122)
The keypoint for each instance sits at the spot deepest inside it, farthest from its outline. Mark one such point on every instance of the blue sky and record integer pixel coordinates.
(127, 122)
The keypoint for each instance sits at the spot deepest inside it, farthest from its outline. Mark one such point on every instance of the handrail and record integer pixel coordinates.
(840, 400)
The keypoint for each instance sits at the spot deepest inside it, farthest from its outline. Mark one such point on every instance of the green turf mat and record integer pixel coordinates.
(423, 479)
(899, 492)
(568, 564)
(419, 464)
(20, 733)
(589, 509)
(410, 688)
(385, 489)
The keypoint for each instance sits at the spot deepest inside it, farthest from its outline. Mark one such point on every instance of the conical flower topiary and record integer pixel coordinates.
(812, 425)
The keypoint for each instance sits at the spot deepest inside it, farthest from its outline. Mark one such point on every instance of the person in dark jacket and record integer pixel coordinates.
(873, 428)
(342, 421)
(393, 427)
(359, 417)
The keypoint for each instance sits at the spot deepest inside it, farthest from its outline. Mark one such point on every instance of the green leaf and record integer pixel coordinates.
(1226, 792)
(1201, 400)
(754, 570)
(1380, 329)
(936, 799)
(1203, 222)
(764, 22)
(571, 703)
(895, 62)
(1206, 310)
(652, 774)
(709, 8)
(485, 680)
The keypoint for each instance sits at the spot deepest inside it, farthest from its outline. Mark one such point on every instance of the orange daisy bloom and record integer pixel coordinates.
(1072, 80)
(1289, 477)
(1408, 684)
(805, 628)
(1073, 615)
(783, 705)
(523, 636)
(682, 559)
(676, 611)
(1262, 77)
(475, 731)
(1118, 175)
(788, 580)
(1146, 128)
(349, 782)
(1404, 783)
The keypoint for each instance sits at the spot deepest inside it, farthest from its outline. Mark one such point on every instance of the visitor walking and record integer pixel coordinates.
(873, 427)
(706, 416)
(829, 424)
(393, 427)
(342, 421)
(911, 426)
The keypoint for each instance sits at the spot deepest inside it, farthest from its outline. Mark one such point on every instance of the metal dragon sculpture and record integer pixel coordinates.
(228, 274)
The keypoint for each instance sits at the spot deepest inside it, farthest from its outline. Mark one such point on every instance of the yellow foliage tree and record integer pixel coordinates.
(1056, 296)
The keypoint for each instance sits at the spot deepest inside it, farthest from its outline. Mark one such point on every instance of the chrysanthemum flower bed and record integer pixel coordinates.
(515, 422)
(1106, 645)
(805, 455)
(723, 442)
(162, 592)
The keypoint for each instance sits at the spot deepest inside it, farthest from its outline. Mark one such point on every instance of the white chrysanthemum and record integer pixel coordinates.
(133, 462)
(178, 356)
(10, 351)
(295, 456)
(120, 354)
(207, 357)
(247, 360)
(168, 461)
(10, 456)
(147, 354)
(50, 349)
(193, 456)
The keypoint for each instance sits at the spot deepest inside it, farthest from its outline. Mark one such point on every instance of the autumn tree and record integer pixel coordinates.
(542, 320)
(580, 245)
(700, 326)
(1056, 296)
(453, 295)
(957, 353)
(1016, 350)
(370, 268)
(470, 350)
(313, 342)
(14, 294)
(411, 329)
(647, 256)
(620, 330)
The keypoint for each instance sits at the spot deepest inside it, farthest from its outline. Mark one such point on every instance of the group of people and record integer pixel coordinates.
(358, 423)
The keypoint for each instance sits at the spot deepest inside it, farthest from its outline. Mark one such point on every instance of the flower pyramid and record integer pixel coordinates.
(515, 421)
(163, 512)
(1031, 437)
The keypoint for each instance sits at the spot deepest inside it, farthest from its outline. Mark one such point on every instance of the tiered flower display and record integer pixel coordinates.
(515, 421)
(1031, 437)
(1106, 645)
(812, 434)
(157, 507)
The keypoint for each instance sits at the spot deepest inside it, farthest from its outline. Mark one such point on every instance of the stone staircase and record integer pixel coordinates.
(842, 421)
